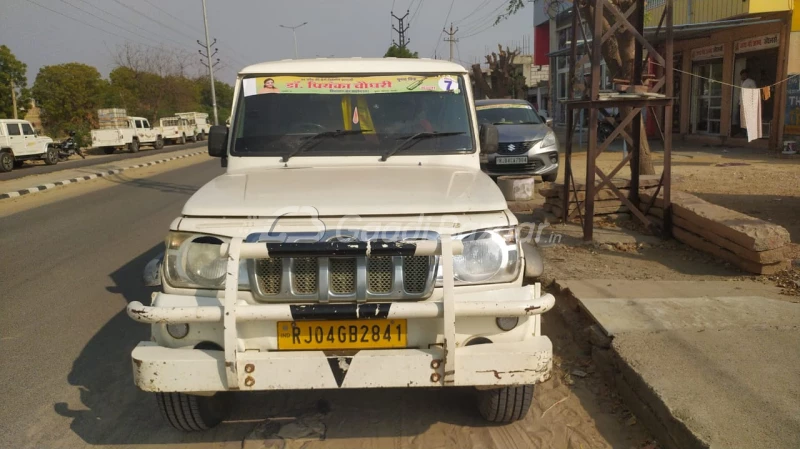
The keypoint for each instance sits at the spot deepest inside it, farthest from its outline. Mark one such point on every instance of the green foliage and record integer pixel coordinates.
(12, 69)
(68, 95)
(400, 52)
(224, 98)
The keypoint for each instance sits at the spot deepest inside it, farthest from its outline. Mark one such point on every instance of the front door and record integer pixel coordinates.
(15, 139)
(31, 145)
(707, 97)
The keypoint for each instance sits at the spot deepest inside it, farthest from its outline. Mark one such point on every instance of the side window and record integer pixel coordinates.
(146, 124)
(138, 123)
(13, 129)
(27, 130)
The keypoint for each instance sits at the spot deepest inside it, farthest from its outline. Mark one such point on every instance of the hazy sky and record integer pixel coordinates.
(248, 30)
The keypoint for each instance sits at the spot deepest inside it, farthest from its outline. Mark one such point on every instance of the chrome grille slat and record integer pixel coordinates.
(415, 271)
(269, 273)
(304, 275)
(380, 272)
(342, 275)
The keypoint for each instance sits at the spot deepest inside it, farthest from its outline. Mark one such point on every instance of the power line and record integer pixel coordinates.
(154, 20)
(482, 5)
(479, 23)
(439, 39)
(416, 11)
(193, 29)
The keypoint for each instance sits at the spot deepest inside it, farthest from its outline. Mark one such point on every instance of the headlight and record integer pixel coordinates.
(549, 140)
(490, 256)
(193, 261)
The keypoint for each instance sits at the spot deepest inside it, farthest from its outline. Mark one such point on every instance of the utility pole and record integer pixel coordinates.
(208, 55)
(451, 38)
(401, 30)
(294, 34)
(14, 98)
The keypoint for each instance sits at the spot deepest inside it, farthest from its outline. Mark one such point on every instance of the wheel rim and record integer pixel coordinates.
(52, 154)
(8, 162)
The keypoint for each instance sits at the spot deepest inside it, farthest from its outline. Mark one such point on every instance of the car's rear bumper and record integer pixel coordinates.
(157, 368)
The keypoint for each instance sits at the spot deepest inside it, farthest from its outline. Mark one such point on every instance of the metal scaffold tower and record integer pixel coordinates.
(632, 97)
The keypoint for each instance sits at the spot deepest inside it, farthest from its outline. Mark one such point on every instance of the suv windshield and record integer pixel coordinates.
(352, 115)
(507, 114)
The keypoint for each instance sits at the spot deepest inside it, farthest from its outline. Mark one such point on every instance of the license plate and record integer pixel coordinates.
(511, 160)
(352, 334)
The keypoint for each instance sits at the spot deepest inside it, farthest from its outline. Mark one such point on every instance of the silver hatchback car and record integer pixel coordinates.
(528, 146)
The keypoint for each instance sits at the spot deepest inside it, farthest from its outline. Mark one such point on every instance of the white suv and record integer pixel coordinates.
(353, 243)
(19, 143)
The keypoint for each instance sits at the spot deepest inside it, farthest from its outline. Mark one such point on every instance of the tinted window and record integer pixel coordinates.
(13, 129)
(27, 130)
(138, 123)
(145, 124)
(507, 114)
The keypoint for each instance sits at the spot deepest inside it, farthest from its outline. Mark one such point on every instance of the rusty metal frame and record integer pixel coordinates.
(633, 21)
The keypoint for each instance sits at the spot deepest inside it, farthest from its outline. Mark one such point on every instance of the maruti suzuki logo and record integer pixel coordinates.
(512, 147)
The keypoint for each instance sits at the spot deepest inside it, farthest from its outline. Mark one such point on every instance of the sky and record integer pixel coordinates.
(248, 31)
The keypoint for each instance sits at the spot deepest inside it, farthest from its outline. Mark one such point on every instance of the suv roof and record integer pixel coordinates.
(353, 65)
(13, 120)
(500, 101)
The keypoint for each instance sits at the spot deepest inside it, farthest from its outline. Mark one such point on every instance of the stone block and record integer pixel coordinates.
(763, 257)
(699, 243)
(516, 188)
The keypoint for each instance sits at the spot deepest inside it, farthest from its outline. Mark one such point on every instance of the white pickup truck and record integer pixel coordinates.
(175, 129)
(352, 243)
(19, 143)
(131, 137)
(198, 121)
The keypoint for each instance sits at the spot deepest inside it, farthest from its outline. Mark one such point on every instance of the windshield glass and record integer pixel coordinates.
(507, 114)
(278, 114)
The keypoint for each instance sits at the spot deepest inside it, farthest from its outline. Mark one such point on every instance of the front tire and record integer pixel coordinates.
(134, 146)
(109, 150)
(506, 404)
(6, 162)
(203, 135)
(191, 413)
(194, 138)
(159, 144)
(182, 140)
(51, 157)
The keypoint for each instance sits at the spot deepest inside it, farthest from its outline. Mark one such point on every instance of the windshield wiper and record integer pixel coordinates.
(412, 140)
(312, 141)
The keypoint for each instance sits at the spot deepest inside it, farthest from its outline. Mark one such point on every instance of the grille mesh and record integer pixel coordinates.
(342, 275)
(304, 275)
(268, 272)
(379, 274)
(415, 273)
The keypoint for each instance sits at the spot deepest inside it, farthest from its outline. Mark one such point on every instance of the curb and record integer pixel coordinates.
(53, 185)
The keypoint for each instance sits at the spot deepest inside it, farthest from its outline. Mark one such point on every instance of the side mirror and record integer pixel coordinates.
(218, 141)
(489, 139)
(549, 122)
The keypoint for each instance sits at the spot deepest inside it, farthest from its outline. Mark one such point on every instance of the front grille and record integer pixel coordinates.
(379, 274)
(515, 147)
(415, 273)
(268, 274)
(304, 275)
(342, 276)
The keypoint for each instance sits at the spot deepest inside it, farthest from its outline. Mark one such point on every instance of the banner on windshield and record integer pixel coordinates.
(350, 85)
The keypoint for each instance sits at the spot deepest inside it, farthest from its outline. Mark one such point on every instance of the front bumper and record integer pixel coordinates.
(440, 362)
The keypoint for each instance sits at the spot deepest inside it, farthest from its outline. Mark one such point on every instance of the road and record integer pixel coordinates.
(38, 168)
(69, 268)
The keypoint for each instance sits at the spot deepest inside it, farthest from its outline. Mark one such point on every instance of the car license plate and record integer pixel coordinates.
(511, 160)
(352, 334)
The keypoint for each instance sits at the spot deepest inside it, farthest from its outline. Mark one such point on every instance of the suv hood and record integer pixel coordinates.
(339, 191)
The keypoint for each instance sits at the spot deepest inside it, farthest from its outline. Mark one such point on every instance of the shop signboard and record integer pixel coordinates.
(756, 43)
(792, 123)
(709, 52)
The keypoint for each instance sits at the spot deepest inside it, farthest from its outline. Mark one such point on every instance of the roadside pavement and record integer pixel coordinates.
(706, 364)
(36, 183)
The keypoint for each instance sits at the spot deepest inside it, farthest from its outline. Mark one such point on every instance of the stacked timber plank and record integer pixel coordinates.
(606, 200)
(112, 118)
(750, 243)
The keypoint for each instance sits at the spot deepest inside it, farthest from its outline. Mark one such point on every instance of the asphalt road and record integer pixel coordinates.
(38, 168)
(68, 268)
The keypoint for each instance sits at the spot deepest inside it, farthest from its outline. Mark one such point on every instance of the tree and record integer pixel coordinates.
(12, 69)
(504, 80)
(618, 51)
(68, 95)
(224, 93)
(400, 52)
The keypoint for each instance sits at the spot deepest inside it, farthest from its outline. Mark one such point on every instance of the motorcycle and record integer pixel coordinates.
(69, 148)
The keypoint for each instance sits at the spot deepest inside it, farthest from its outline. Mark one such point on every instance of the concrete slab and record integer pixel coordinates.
(723, 367)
